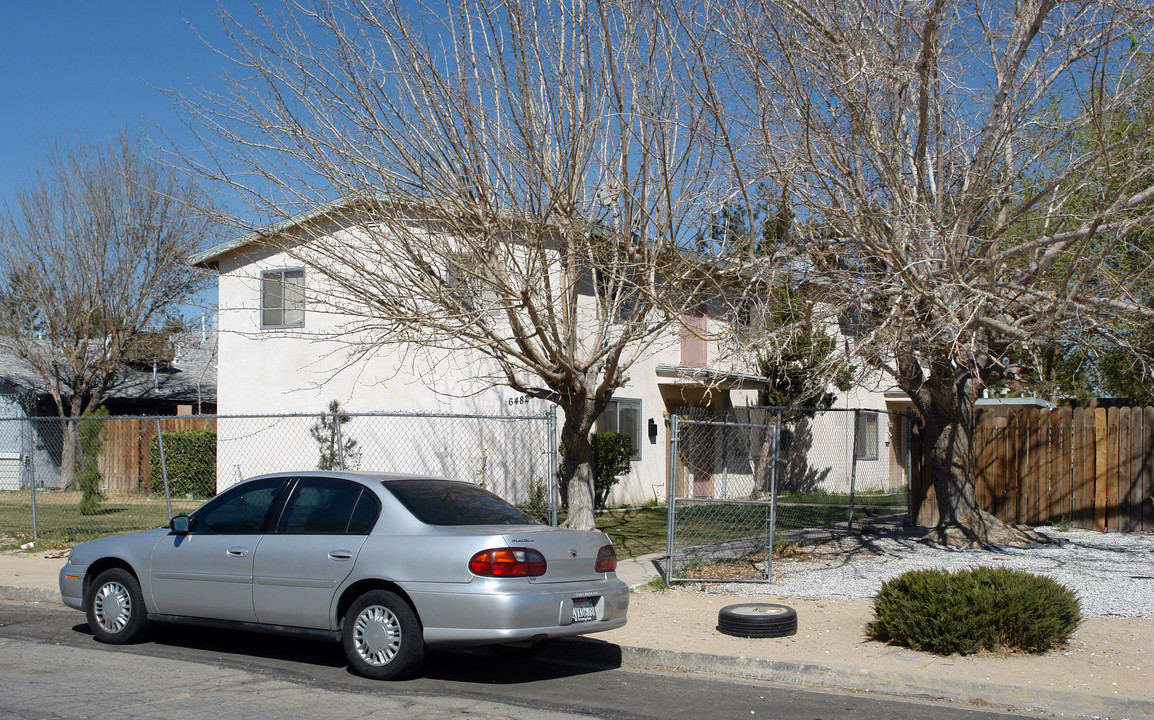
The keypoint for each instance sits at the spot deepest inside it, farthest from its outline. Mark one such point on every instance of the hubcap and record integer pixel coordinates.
(760, 610)
(377, 635)
(112, 607)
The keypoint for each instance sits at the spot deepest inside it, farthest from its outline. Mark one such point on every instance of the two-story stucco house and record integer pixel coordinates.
(282, 349)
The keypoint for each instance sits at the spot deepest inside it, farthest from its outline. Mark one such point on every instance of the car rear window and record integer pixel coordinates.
(445, 502)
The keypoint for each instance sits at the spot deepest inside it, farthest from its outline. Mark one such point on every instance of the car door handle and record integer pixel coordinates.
(237, 551)
(340, 555)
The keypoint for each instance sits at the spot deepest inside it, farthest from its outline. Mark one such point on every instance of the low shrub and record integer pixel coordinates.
(190, 457)
(970, 610)
(537, 506)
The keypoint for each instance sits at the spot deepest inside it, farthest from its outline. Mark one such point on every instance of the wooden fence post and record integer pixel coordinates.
(1101, 467)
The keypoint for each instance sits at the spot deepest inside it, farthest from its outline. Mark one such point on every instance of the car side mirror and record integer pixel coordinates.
(179, 525)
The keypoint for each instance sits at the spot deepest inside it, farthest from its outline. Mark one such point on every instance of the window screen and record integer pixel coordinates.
(866, 446)
(623, 416)
(282, 298)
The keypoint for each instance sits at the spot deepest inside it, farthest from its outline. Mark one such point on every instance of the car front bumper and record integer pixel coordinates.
(72, 586)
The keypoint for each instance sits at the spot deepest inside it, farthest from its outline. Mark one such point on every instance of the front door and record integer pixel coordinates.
(208, 572)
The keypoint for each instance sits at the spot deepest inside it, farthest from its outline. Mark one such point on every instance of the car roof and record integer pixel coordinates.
(353, 475)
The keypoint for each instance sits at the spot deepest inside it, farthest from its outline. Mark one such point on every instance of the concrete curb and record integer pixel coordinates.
(39, 595)
(598, 653)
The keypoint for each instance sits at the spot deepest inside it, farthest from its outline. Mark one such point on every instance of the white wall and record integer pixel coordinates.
(275, 371)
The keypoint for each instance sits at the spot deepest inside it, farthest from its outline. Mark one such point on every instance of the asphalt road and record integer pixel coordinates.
(53, 668)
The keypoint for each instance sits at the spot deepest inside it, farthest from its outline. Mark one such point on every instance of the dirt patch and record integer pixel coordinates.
(747, 567)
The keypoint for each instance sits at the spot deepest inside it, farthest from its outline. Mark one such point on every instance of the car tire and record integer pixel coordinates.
(757, 620)
(521, 651)
(382, 636)
(114, 606)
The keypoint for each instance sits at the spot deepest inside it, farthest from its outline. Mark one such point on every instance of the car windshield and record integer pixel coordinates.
(445, 502)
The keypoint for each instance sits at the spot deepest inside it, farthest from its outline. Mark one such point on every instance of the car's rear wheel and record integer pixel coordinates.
(115, 608)
(382, 636)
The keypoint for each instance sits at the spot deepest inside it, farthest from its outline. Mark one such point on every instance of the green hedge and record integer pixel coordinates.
(971, 610)
(190, 456)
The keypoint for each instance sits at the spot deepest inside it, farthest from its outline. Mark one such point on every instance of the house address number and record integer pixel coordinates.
(519, 400)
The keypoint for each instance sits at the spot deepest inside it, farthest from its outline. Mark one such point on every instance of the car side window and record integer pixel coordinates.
(240, 511)
(328, 506)
(364, 514)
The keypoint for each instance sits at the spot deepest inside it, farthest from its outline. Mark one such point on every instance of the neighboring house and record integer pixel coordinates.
(184, 385)
(280, 354)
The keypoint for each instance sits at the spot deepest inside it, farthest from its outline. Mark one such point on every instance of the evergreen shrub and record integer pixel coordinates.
(190, 456)
(977, 609)
(91, 435)
(537, 506)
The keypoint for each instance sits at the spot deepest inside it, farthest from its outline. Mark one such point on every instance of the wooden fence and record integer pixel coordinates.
(124, 461)
(1090, 466)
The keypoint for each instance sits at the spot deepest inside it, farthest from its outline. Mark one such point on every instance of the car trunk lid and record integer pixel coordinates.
(571, 555)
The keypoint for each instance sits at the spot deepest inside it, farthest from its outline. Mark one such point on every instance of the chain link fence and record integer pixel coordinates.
(63, 481)
(765, 477)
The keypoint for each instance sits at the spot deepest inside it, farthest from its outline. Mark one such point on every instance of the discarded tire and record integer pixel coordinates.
(757, 620)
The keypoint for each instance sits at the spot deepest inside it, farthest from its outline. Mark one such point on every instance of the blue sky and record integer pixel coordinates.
(73, 69)
(85, 69)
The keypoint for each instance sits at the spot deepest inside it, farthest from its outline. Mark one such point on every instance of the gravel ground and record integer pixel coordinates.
(1112, 573)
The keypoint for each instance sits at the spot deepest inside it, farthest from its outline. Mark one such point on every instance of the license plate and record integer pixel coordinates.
(584, 609)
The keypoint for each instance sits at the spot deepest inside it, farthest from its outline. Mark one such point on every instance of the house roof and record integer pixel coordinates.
(209, 258)
(190, 379)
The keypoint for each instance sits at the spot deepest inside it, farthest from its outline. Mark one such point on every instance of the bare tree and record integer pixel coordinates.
(93, 253)
(953, 176)
(517, 180)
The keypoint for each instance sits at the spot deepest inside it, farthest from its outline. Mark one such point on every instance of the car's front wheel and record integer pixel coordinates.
(115, 607)
(382, 636)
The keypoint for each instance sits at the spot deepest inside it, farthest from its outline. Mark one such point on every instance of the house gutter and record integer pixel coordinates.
(735, 380)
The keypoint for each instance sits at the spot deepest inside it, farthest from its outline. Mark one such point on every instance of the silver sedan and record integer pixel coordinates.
(387, 565)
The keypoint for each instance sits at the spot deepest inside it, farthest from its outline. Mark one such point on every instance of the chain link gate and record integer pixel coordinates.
(720, 515)
(766, 477)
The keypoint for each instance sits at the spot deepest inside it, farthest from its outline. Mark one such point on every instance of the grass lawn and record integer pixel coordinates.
(895, 498)
(60, 524)
(634, 532)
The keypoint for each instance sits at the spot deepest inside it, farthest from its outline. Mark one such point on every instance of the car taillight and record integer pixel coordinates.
(606, 559)
(508, 562)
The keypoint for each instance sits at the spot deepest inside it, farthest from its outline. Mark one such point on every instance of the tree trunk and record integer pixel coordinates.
(578, 468)
(952, 468)
(68, 454)
(946, 402)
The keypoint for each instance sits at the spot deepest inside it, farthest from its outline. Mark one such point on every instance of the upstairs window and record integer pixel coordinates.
(617, 293)
(282, 299)
(467, 279)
